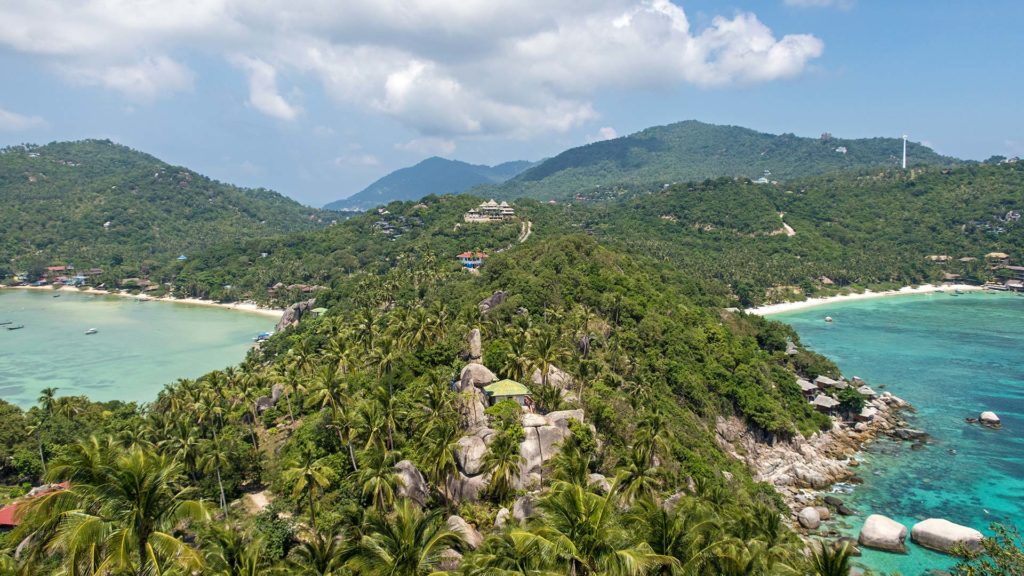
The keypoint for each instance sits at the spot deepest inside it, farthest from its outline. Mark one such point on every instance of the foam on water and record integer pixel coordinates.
(139, 348)
(951, 357)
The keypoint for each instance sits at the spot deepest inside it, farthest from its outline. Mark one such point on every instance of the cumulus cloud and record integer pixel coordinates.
(263, 94)
(12, 121)
(444, 69)
(604, 133)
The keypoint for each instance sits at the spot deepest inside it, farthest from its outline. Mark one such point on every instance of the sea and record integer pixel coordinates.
(952, 357)
(138, 348)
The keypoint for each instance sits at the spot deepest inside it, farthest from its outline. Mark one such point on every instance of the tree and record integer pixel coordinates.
(407, 543)
(309, 477)
(118, 514)
(321, 555)
(1001, 554)
(830, 560)
(232, 552)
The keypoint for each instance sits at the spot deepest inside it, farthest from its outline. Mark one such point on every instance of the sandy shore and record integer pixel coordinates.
(812, 302)
(250, 307)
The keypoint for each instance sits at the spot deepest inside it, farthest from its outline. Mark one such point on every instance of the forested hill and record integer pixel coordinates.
(96, 204)
(693, 151)
(431, 176)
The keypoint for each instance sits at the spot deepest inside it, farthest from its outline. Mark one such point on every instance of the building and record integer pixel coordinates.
(507, 390)
(490, 211)
(826, 404)
(9, 517)
(472, 259)
(807, 388)
(824, 382)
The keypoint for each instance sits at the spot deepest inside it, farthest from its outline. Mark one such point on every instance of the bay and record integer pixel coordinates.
(951, 357)
(139, 347)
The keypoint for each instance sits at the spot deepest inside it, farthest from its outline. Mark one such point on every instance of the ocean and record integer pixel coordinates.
(952, 357)
(138, 347)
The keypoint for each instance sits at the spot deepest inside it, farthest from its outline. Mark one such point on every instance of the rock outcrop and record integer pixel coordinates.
(469, 454)
(556, 377)
(411, 483)
(294, 313)
(491, 301)
(476, 353)
(989, 419)
(883, 533)
(944, 536)
(475, 375)
(523, 507)
(462, 488)
(599, 482)
(470, 536)
(809, 518)
(501, 518)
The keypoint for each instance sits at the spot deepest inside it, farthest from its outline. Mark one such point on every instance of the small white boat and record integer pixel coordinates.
(91, 331)
(828, 318)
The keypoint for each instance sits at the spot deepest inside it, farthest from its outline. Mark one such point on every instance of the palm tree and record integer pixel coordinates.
(378, 478)
(599, 544)
(321, 555)
(408, 543)
(545, 350)
(309, 477)
(441, 445)
(119, 513)
(231, 552)
(517, 552)
(48, 400)
(829, 560)
(503, 461)
(216, 457)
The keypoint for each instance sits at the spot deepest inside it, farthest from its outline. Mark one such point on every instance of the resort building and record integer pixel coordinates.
(507, 390)
(807, 388)
(826, 404)
(490, 211)
(472, 259)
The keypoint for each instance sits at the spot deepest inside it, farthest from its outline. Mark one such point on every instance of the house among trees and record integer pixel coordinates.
(807, 388)
(826, 404)
(472, 259)
(490, 211)
(824, 382)
(507, 390)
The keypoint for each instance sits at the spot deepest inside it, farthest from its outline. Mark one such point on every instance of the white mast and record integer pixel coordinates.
(904, 151)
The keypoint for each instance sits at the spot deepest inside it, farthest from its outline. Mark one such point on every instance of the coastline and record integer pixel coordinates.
(783, 307)
(250, 307)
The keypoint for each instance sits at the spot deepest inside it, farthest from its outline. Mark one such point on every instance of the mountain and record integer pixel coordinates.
(96, 204)
(431, 176)
(693, 151)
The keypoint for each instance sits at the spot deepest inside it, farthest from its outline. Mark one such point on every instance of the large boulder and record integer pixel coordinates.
(411, 483)
(523, 507)
(450, 560)
(469, 452)
(531, 420)
(599, 483)
(462, 488)
(276, 391)
(809, 518)
(883, 533)
(945, 536)
(561, 418)
(501, 518)
(470, 536)
(293, 314)
(556, 377)
(989, 419)
(491, 301)
(473, 408)
(475, 349)
(475, 376)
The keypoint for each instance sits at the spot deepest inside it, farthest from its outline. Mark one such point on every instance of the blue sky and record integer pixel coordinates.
(316, 99)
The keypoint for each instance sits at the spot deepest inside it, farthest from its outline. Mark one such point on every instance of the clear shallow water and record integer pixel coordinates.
(951, 357)
(139, 348)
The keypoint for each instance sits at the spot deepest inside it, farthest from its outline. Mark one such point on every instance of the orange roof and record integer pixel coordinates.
(471, 254)
(9, 513)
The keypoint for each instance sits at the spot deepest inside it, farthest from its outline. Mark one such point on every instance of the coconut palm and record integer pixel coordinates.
(441, 445)
(119, 514)
(231, 552)
(407, 543)
(377, 477)
(321, 555)
(829, 560)
(309, 478)
(545, 350)
(517, 552)
(503, 461)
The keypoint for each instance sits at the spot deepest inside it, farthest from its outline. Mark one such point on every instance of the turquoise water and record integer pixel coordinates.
(138, 349)
(951, 357)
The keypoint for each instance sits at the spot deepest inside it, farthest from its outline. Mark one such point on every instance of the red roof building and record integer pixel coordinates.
(9, 514)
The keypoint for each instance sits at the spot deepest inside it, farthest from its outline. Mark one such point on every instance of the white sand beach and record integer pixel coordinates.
(813, 302)
(250, 307)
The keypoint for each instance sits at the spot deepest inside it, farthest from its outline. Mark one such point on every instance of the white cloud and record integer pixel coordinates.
(428, 146)
(146, 79)
(12, 121)
(356, 160)
(263, 94)
(444, 69)
(604, 133)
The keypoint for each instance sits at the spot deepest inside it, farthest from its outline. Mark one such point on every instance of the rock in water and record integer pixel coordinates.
(944, 536)
(809, 518)
(883, 533)
(989, 419)
(469, 534)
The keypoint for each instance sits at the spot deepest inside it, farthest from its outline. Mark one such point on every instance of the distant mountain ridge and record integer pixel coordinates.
(694, 151)
(434, 175)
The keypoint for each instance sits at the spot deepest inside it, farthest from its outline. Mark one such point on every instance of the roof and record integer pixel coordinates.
(866, 391)
(825, 380)
(999, 255)
(1015, 268)
(825, 401)
(806, 385)
(8, 514)
(471, 254)
(507, 387)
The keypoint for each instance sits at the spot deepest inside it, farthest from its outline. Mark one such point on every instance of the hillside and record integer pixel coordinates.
(96, 204)
(431, 176)
(694, 151)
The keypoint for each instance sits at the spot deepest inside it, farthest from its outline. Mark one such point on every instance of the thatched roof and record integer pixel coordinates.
(823, 401)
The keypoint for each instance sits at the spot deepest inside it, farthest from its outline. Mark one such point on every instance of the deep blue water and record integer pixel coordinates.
(951, 357)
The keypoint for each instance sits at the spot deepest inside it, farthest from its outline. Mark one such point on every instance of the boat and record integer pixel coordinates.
(56, 295)
(6, 322)
(262, 336)
(18, 327)
(828, 318)
(91, 331)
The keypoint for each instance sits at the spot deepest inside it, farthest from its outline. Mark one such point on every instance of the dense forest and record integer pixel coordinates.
(95, 204)
(693, 151)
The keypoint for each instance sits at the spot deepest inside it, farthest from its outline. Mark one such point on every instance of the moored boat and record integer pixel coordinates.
(18, 327)
(91, 331)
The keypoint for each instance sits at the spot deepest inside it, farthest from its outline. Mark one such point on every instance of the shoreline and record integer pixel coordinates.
(783, 307)
(249, 307)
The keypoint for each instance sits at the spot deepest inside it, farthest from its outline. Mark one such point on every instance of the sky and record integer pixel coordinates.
(317, 99)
